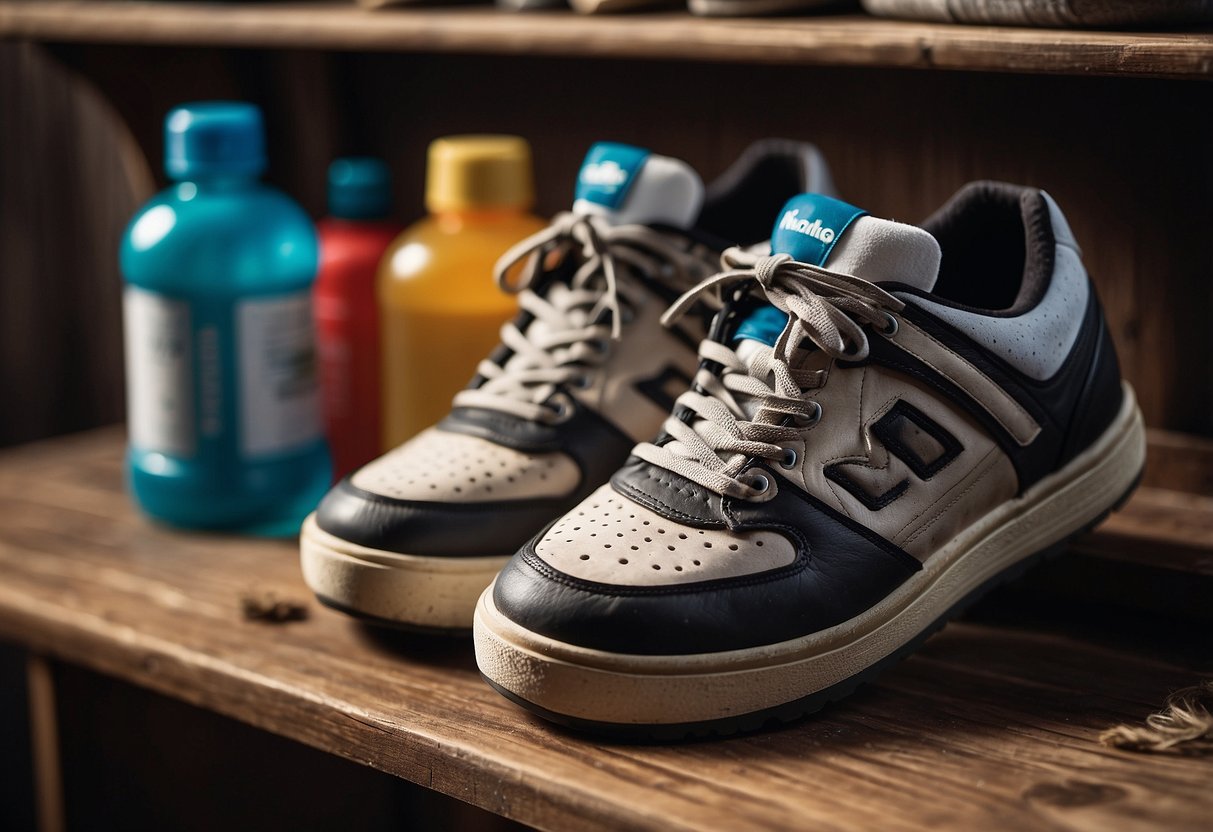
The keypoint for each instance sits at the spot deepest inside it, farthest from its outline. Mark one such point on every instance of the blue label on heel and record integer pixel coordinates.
(810, 225)
(608, 172)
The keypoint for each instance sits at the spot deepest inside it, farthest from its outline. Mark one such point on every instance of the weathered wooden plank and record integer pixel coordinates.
(987, 727)
(1160, 528)
(846, 40)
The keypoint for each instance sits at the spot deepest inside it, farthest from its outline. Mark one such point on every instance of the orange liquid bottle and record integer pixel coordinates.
(439, 310)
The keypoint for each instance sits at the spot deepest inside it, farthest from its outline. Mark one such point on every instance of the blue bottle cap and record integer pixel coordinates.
(360, 188)
(214, 138)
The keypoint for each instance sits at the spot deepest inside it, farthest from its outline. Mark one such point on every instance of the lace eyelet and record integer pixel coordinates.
(562, 408)
(891, 325)
(761, 484)
(600, 345)
(810, 420)
(582, 382)
(789, 459)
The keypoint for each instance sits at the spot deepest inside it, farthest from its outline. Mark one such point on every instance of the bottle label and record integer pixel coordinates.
(279, 392)
(179, 362)
(160, 401)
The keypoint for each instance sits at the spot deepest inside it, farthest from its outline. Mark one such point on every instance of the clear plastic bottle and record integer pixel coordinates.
(439, 309)
(223, 404)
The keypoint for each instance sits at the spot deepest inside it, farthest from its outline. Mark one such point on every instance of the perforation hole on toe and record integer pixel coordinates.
(660, 551)
(440, 466)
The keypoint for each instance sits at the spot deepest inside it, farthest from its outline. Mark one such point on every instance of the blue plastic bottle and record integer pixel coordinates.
(222, 394)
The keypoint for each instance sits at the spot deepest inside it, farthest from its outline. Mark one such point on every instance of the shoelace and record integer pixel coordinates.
(828, 308)
(576, 320)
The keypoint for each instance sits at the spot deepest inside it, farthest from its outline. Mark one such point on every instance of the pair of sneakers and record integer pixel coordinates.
(880, 422)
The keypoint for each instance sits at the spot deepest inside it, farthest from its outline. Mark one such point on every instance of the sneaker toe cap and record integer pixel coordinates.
(414, 527)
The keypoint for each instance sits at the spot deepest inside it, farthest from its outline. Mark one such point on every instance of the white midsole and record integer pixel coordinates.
(636, 689)
(423, 591)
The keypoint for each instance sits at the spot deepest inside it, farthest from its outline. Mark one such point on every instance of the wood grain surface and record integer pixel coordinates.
(990, 726)
(846, 40)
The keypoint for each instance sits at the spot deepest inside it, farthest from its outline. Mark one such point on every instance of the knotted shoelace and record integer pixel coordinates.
(829, 309)
(577, 320)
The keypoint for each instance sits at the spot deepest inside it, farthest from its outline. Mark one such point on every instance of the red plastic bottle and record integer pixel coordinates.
(352, 241)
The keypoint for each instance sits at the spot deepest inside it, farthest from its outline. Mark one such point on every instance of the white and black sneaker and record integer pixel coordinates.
(873, 439)
(583, 373)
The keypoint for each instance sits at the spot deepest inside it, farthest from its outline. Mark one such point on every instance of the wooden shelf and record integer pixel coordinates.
(987, 727)
(846, 40)
(1158, 528)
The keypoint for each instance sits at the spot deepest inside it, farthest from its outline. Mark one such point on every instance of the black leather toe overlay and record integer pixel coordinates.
(414, 527)
(840, 571)
(473, 529)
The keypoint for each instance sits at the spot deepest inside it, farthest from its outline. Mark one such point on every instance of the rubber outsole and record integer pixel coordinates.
(390, 624)
(423, 594)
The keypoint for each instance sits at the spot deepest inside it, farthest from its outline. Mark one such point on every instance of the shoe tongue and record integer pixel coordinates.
(828, 232)
(630, 185)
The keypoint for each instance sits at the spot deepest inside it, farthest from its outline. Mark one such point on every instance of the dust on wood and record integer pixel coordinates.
(258, 604)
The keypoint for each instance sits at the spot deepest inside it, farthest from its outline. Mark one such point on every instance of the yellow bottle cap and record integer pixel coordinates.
(469, 172)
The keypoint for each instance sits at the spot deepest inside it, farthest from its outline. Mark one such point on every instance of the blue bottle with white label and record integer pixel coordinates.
(223, 404)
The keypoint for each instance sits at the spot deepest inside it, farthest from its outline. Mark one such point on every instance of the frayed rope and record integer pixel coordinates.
(1184, 726)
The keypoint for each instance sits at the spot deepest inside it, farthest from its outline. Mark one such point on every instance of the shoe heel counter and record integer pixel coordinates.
(1059, 226)
(1101, 395)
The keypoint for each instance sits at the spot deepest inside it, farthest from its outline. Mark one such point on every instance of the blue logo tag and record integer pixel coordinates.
(809, 226)
(608, 172)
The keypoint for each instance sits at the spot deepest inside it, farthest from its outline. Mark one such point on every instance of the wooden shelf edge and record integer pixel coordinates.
(471, 774)
(1157, 528)
(839, 40)
(1168, 522)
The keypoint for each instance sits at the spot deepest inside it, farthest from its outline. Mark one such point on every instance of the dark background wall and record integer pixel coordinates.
(69, 179)
(1127, 159)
